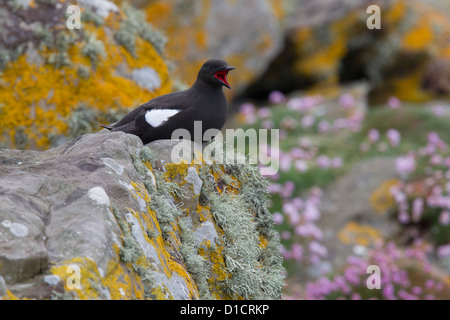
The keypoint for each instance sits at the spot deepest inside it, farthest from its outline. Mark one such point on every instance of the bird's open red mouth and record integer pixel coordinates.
(222, 76)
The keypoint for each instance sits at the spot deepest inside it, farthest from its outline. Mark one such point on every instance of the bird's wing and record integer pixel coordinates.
(174, 101)
(134, 126)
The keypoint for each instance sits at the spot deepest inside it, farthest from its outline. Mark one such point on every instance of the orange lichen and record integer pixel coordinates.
(357, 234)
(117, 281)
(39, 98)
(148, 220)
(382, 199)
(219, 272)
(9, 296)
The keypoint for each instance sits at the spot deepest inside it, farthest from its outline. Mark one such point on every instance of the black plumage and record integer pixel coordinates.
(205, 101)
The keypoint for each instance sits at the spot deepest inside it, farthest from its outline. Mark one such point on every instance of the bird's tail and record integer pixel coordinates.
(106, 126)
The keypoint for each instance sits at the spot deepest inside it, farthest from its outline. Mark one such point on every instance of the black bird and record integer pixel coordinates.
(204, 101)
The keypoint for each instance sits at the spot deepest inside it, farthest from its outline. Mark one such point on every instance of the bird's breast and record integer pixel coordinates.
(213, 114)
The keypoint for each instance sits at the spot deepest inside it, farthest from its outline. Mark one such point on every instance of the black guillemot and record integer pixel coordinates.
(205, 101)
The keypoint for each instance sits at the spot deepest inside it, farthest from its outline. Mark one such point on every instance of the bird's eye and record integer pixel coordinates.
(211, 67)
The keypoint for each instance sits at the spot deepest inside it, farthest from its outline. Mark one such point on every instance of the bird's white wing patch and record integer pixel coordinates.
(157, 117)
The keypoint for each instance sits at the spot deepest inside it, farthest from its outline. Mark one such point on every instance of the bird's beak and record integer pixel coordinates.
(222, 76)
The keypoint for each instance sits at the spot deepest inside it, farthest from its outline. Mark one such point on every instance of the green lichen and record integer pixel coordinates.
(60, 44)
(83, 71)
(131, 252)
(161, 197)
(135, 25)
(5, 58)
(85, 119)
(147, 155)
(248, 243)
(195, 263)
(257, 271)
(152, 233)
(81, 120)
(94, 49)
(90, 16)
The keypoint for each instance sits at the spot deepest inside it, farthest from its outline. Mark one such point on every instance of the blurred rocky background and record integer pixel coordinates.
(363, 115)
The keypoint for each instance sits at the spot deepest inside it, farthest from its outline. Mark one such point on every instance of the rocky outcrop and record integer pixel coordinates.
(57, 83)
(104, 217)
(328, 43)
(246, 33)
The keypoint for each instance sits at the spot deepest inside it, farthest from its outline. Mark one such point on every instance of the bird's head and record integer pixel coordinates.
(215, 71)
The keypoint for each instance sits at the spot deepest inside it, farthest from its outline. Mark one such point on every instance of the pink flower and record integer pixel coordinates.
(267, 124)
(278, 218)
(305, 142)
(429, 284)
(297, 251)
(324, 126)
(298, 203)
(288, 189)
(297, 153)
(405, 165)
(285, 253)
(443, 251)
(406, 296)
(347, 100)
(447, 162)
(352, 274)
(276, 97)
(285, 162)
(292, 213)
(274, 188)
(438, 110)
(295, 104)
(336, 162)
(436, 159)
(309, 230)
(323, 161)
(394, 102)
(309, 102)
(286, 235)
(373, 135)
(311, 212)
(433, 138)
(388, 291)
(301, 165)
(264, 113)
(307, 121)
(317, 248)
(248, 110)
(394, 137)
(444, 218)
(403, 217)
(416, 290)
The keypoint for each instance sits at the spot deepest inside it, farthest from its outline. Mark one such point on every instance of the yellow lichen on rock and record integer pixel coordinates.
(38, 98)
(394, 59)
(382, 199)
(82, 277)
(356, 234)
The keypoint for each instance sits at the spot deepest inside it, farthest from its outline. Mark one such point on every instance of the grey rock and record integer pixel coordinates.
(95, 205)
(348, 199)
